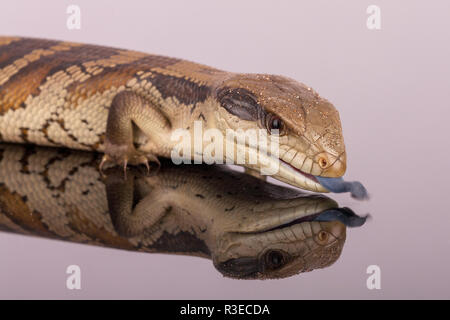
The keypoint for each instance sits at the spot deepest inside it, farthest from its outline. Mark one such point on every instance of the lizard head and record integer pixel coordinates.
(283, 238)
(311, 142)
(280, 260)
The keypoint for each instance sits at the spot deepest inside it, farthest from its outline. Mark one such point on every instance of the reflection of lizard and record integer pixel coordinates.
(98, 98)
(249, 228)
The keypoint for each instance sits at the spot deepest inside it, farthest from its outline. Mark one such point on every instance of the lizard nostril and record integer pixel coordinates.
(323, 163)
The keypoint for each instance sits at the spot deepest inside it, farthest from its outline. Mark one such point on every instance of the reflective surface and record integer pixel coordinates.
(249, 228)
(390, 87)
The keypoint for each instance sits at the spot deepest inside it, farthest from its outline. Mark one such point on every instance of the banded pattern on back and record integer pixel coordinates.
(58, 93)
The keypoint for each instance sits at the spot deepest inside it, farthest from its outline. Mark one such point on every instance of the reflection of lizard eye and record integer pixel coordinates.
(274, 259)
(274, 123)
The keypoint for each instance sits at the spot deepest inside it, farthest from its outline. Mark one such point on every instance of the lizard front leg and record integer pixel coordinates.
(127, 108)
(131, 212)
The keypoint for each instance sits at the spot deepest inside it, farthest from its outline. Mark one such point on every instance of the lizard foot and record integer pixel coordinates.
(124, 156)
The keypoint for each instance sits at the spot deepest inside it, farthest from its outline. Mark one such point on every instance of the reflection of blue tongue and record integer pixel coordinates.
(338, 185)
(344, 215)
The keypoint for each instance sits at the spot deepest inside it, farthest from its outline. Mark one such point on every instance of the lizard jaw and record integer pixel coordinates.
(307, 175)
(294, 176)
(278, 169)
(285, 172)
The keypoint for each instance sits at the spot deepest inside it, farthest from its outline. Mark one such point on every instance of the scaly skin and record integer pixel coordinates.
(89, 97)
(234, 219)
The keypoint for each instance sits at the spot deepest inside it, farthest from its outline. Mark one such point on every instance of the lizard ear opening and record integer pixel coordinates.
(239, 102)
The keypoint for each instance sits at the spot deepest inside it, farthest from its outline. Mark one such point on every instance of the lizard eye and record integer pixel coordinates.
(274, 259)
(274, 123)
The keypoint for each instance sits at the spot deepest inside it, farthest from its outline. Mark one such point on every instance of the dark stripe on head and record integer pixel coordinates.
(240, 267)
(240, 102)
(186, 91)
(182, 242)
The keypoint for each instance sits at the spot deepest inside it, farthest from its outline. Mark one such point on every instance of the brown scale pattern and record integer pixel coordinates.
(15, 208)
(117, 67)
(116, 76)
(18, 49)
(16, 90)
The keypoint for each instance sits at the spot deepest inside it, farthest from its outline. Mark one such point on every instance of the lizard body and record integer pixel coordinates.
(128, 104)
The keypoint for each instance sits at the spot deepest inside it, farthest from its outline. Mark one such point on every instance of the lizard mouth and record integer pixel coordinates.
(281, 170)
(294, 176)
(344, 215)
(290, 212)
(307, 175)
(308, 218)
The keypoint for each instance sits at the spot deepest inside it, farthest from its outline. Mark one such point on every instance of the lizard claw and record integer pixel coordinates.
(145, 159)
(147, 166)
(131, 157)
(153, 158)
(125, 164)
(105, 159)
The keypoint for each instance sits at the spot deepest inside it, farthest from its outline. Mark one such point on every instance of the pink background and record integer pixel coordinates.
(390, 86)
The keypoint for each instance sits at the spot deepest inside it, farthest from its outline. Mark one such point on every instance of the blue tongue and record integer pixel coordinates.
(338, 185)
(344, 215)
